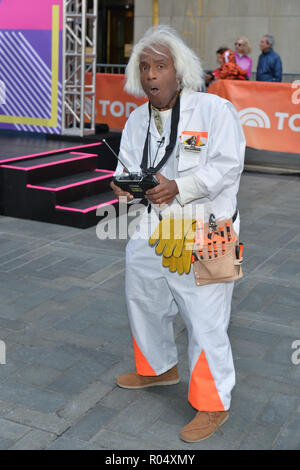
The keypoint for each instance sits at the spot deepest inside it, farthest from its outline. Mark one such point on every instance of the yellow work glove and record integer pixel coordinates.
(183, 262)
(174, 240)
(168, 237)
(172, 264)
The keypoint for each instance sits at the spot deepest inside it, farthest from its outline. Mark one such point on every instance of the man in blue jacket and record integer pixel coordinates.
(269, 67)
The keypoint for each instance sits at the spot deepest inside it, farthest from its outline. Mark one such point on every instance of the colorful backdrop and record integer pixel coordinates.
(30, 65)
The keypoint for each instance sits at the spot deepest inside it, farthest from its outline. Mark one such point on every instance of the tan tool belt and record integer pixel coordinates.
(217, 253)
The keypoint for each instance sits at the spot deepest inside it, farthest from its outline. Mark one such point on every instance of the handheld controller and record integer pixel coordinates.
(135, 183)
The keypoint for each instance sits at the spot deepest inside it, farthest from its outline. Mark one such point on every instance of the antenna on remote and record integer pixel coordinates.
(107, 144)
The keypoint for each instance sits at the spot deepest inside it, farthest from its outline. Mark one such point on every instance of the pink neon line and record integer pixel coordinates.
(86, 154)
(59, 188)
(14, 167)
(108, 171)
(113, 201)
(44, 164)
(51, 152)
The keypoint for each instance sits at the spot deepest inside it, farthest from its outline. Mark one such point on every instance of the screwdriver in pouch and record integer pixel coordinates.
(215, 249)
(239, 250)
(209, 250)
(228, 231)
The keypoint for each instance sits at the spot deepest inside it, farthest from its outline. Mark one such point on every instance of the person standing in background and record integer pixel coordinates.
(269, 67)
(210, 76)
(229, 69)
(242, 51)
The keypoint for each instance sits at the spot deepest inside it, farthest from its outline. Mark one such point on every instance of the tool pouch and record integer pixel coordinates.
(214, 261)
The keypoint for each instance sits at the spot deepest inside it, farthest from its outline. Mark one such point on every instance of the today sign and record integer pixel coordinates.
(269, 112)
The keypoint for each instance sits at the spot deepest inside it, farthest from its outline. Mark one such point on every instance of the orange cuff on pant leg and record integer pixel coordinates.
(142, 365)
(203, 393)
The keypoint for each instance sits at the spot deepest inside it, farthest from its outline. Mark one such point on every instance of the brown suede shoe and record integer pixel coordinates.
(203, 425)
(135, 381)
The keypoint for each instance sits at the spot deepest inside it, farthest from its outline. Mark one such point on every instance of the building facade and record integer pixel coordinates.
(208, 24)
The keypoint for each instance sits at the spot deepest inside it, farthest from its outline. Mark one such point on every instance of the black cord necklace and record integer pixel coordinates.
(160, 143)
(170, 147)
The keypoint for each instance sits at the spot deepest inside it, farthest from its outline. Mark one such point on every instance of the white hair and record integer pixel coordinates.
(187, 64)
(270, 39)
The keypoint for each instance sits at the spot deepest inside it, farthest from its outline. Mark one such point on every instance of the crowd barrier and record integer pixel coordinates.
(269, 112)
(113, 104)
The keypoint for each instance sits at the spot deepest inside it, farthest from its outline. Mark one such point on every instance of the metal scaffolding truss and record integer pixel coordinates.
(79, 67)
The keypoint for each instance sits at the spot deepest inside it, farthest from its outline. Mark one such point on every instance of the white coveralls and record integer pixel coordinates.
(154, 295)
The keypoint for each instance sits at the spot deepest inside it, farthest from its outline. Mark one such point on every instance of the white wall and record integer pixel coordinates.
(208, 24)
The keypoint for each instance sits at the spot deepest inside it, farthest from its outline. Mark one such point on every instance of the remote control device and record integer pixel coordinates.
(135, 183)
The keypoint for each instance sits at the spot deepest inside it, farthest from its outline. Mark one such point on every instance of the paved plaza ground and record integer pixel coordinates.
(64, 323)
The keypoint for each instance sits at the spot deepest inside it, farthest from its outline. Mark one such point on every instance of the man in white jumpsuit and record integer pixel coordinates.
(169, 73)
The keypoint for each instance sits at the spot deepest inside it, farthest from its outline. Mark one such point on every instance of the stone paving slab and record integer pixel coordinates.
(63, 319)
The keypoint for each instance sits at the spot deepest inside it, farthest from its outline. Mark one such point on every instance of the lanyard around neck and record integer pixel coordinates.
(170, 147)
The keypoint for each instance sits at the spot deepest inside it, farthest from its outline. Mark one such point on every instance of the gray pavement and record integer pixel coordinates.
(64, 324)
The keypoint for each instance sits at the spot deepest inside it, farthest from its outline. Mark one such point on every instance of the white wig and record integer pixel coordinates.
(187, 64)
